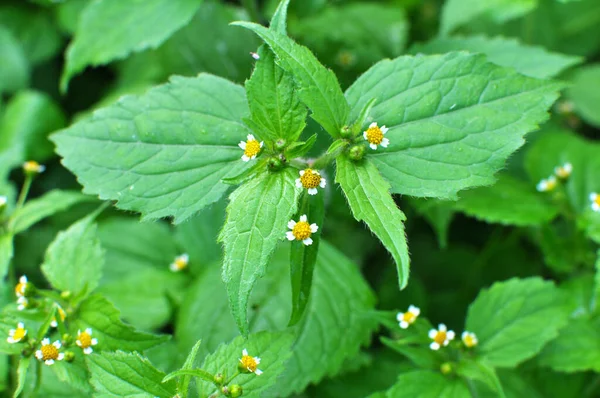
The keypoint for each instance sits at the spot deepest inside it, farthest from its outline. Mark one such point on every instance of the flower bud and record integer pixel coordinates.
(235, 390)
(446, 368)
(219, 378)
(69, 356)
(280, 144)
(274, 164)
(356, 152)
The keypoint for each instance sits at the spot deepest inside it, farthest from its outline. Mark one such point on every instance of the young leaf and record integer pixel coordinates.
(528, 60)
(369, 198)
(585, 99)
(274, 101)
(319, 88)
(513, 320)
(123, 374)
(99, 314)
(21, 375)
(184, 382)
(455, 110)
(257, 218)
(37, 209)
(112, 29)
(14, 68)
(279, 19)
(509, 201)
(303, 258)
(163, 153)
(74, 260)
(272, 348)
(427, 384)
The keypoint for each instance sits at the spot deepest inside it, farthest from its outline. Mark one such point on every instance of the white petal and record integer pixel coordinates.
(258, 372)
(442, 327)
(400, 316)
(593, 196)
(414, 310)
(450, 335)
(291, 224)
(12, 332)
(374, 124)
(302, 172)
(245, 158)
(384, 129)
(403, 324)
(11, 340)
(57, 344)
(464, 334)
(20, 325)
(261, 144)
(54, 323)
(434, 346)
(49, 362)
(541, 186)
(385, 142)
(94, 341)
(78, 342)
(88, 350)
(20, 307)
(373, 146)
(244, 352)
(46, 341)
(298, 183)
(257, 360)
(365, 135)
(23, 279)
(595, 206)
(312, 191)
(307, 241)
(432, 333)
(314, 228)
(61, 356)
(303, 218)
(38, 354)
(173, 267)
(250, 137)
(252, 157)
(290, 235)
(242, 145)
(322, 183)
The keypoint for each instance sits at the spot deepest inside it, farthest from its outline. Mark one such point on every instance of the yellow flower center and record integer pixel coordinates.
(562, 172)
(180, 263)
(49, 352)
(440, 337)
(409, 317)
(597, 200)
(301, 230)
(550, 185)
(20, 289)
(31, 166)
(469, 341)
(19, 334)
(85, 339)
(310, 179)
(252, 148)
(249, 363)
(374, 135)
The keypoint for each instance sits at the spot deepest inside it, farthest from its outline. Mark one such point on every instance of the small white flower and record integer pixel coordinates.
(310, 179)
(21, 286)
(374, 135)
(250, 364)
(85, 340)
(595, 199)
(22, 303)
(180, 263)
(33, 167)
(563, 171)
(62, 315)
(49, 352)
(301, 230)
(441, 337)
(407, 318)
(251, 148)
(18, 334)
(469, 339)
(547, 185)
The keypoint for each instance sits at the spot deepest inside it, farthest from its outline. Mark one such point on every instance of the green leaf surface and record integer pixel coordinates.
(123, 374)
(98, 313)
(257, 218)
(509, 201)
(6, 253)
(370, 200)
(584, 95)
(576, 349)
(534, 61)
(427, 384)
(184, 382)
(28, 119)
(481, 372)
(506, 319)
(112, 29)
(21, 375)
(319, 88)
(37, 209)
(458, 12)
(304, 258)
(453, 119)
(14, 68)
(74, 374)
(163, 153)
(274, 101)
(272, 348)
(74, 260)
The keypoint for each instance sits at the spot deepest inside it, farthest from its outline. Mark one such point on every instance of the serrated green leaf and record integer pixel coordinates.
(576, 349)
(427, 384)
(513, 320)
(279, 20)
(112, 29)
(184, 382)
(456, 13)
(303, 258)
(257, 218)
(98, 313)
(300, 148)
(74, 260)
(482, 372)
(273, 349)
(27, 120)
(74, 373)
(163, 153)
(22, 368)
(529, 60)
(14, 69)
(37, 209)
(583, 94)
(319, 88)
(509, 201)
(274, 101)
(123, 374)
(369, 198)
(453, 119)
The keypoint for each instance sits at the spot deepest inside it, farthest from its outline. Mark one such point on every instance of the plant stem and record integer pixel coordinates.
(24, 190)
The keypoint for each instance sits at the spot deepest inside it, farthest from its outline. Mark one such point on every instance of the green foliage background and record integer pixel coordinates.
(136, 109)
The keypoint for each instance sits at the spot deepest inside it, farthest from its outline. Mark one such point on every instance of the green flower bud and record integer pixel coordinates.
(446, 368)
(346, 132)
(69, 356)
(219, 378)
(280, 144)
(356, 152)
(235, 390)
(275, 163)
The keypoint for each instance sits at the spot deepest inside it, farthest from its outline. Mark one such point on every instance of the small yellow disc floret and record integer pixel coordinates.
(85, 340)
(49, 351)
(249, 363)
(301, 230)
(310, 179)
(374, 135)
(252, 148)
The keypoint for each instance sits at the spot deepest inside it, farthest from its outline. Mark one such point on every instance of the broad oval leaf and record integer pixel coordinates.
(453, 119)
(163, 153)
